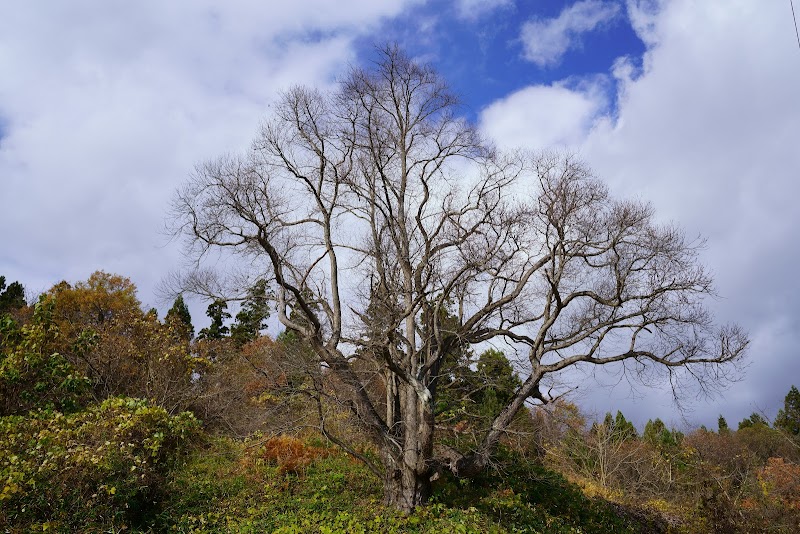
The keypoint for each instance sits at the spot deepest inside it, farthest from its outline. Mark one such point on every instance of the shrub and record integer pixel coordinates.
(776, 506)
(290, 454)
(101, 467)
(32, 375)
(524, 496)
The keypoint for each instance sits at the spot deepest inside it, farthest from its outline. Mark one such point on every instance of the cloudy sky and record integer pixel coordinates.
(106, 105)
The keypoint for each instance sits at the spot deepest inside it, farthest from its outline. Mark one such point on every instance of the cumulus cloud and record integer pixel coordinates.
(543, 116)
(643, 16)
(545, 41)
(105, 107)
(707, 132)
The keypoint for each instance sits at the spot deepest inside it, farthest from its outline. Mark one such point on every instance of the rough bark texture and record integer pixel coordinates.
(407, 480)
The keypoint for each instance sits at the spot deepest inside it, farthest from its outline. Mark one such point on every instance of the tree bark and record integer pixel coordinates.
(407, 482)
(404, 487)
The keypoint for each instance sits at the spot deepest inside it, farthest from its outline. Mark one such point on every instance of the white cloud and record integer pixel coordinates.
(106, 106)
(473, 9)
(643, 16)
(538, 117)
(546, 41)
(708, 132)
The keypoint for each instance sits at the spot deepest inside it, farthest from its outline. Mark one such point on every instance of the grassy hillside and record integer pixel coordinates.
(127, 467)
(215, 448)
(288, 485)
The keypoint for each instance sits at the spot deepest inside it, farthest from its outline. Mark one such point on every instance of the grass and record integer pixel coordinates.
(229, 486)
(215, 484)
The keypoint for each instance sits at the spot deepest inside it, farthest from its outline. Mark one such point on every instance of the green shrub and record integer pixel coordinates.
(32, 375)
(102, 467)
(523, 496)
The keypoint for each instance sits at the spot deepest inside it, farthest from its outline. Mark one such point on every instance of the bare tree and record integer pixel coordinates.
(376, 208)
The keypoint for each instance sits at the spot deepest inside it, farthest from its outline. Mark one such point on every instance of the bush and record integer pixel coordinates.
(290, 454)
(776, 505)
(32, 375)
(101, 467)
(524, 496)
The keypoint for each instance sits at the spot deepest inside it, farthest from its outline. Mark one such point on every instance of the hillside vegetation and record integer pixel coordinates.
(113, 420)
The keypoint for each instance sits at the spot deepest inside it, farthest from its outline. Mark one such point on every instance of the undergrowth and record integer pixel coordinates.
(92, 471)
(288, 485)
(125, 466)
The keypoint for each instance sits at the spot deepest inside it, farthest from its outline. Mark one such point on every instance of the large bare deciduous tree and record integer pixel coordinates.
(379, 214)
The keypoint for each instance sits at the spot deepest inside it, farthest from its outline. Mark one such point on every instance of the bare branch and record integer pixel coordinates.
(380, 189)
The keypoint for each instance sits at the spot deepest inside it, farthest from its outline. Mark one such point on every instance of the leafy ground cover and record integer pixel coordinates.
(287, 485)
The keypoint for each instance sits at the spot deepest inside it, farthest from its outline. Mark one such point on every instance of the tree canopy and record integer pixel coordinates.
(11, 297)
(788, 418)
(217, 312)
(378, 196)
(179, 315)
(250, 319)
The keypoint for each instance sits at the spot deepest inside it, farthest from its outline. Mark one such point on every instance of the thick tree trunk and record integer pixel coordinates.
(405, 488)
(407, 480)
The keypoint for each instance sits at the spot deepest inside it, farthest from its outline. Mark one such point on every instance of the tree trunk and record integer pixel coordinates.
(405, 488)
(407, 482)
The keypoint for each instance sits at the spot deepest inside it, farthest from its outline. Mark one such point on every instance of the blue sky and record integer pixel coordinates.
(482, 52)
(106, 105)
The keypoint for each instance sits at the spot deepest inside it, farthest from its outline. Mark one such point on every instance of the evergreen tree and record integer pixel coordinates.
(498, 379)
(755, 420)
(623, 428)
(11, 297)
(217, 329)
(617, 428)
(788, 418)
(457, 384)
(657, 433)
(608, 421)
(722, 425)
(495, 369)
(179, 317)
(254, 312)
(652, 430)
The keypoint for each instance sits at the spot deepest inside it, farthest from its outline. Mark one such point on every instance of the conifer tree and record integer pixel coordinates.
(623, 428)
(217, 329)
(11, 297)
(180, 317)
(252, 316)
(788, 418)
(753, 421)
(722, 425)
